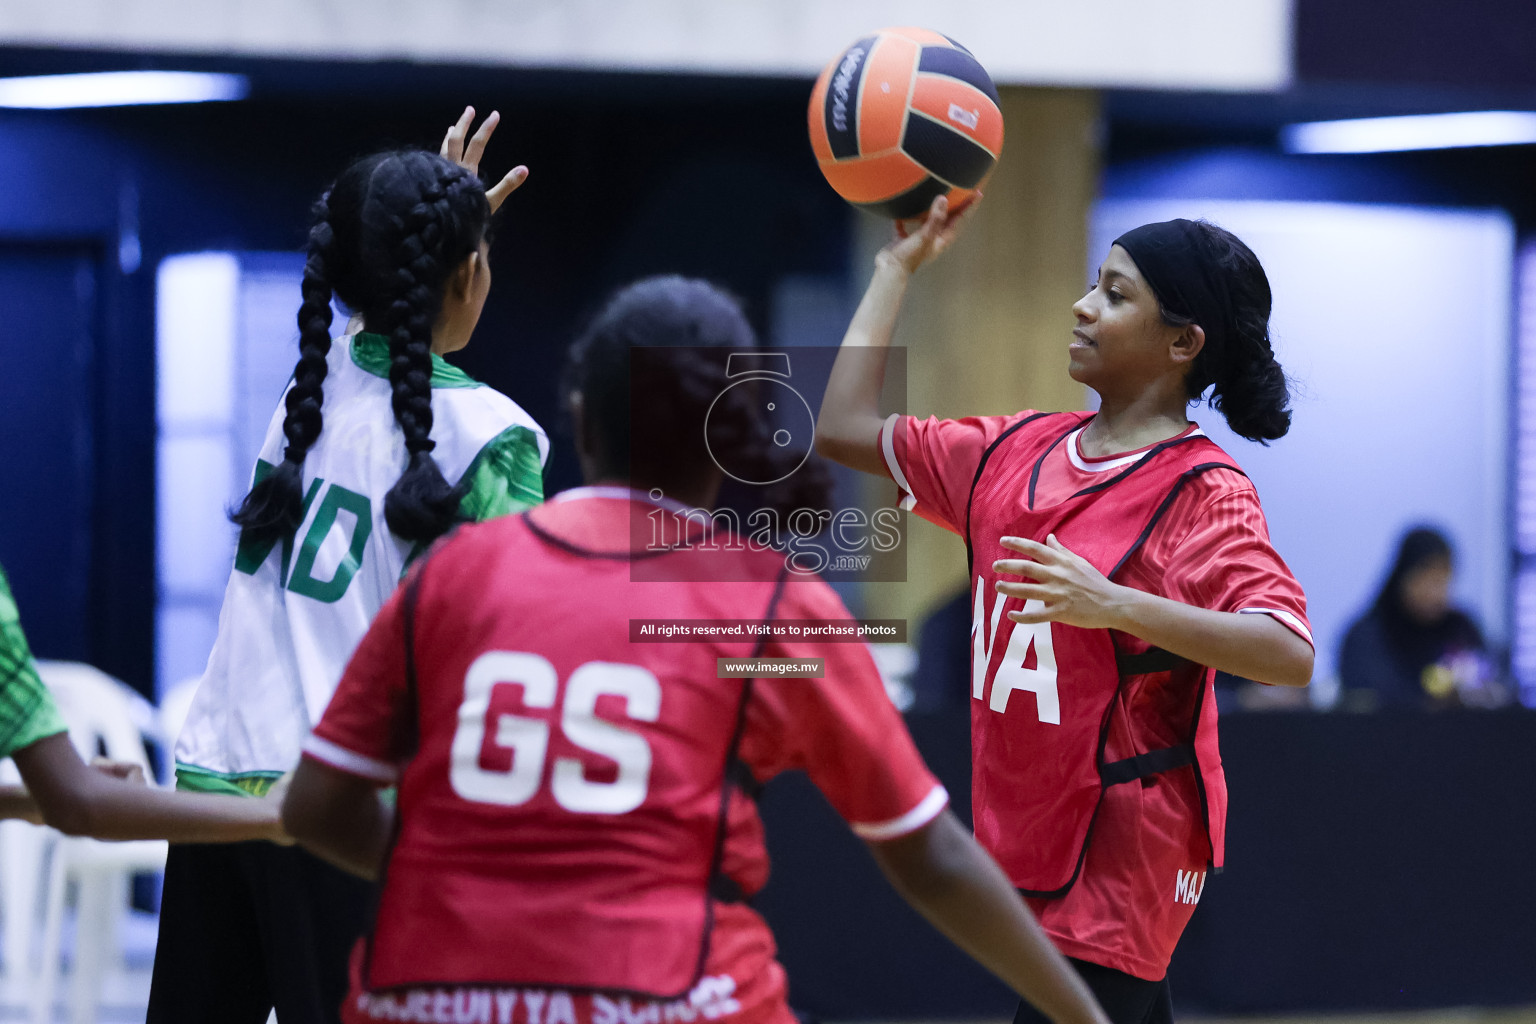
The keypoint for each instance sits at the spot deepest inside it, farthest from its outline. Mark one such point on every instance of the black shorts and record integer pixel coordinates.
(249, 927)
(1126, 999)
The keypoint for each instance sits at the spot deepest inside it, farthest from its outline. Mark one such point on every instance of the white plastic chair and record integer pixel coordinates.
(102, 718)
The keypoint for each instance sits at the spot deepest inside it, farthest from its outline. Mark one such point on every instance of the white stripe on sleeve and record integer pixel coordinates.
(350, 762)
(888, 449)
(1286, 618)
(926, 810)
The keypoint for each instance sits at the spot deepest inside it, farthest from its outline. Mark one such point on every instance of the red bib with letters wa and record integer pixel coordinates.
(1050, 727)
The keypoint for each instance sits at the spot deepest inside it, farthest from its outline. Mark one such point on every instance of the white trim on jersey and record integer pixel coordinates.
(617, 493)
(888, 450)
(351, 762)
(1286, 618)
(1104, 466)
(926, 810)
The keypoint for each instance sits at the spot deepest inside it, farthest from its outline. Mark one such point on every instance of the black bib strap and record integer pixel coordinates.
(1153, 659)
(970, 502)
(1151, 763)
(735, 774)
(742, 778)
(723, 887)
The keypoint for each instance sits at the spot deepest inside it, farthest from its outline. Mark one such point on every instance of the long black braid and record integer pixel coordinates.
(386, 239)
(422, 505)
(274, 508)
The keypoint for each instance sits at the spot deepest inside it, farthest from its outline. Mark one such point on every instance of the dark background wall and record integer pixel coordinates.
(1482, 43)
(1373, 863)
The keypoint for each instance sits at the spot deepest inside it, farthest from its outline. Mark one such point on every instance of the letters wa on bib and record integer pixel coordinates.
(1097, 780)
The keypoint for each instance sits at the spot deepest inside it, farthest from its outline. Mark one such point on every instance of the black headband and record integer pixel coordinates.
(1175, 259)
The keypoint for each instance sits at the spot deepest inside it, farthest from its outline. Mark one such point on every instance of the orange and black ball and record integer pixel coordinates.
(904, 115)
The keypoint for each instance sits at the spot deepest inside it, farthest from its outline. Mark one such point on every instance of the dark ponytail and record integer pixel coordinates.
(1247, 385)
(274, 508)
(387, 237)
(688, 330)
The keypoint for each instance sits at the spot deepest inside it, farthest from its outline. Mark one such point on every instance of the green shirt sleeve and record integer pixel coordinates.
(27, 711)
(506, 476)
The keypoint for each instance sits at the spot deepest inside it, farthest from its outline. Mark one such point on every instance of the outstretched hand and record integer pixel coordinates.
(1070, 589)
(937, 233)
(468, 154)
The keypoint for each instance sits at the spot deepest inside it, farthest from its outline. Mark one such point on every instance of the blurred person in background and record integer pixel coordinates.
(1412, 648)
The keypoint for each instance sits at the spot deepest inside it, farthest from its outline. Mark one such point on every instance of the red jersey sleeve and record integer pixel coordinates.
(1224, 561)
(365, 728)
(841, 730)
(934, 461)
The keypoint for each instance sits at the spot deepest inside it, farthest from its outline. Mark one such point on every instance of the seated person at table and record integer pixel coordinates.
(1412, 648)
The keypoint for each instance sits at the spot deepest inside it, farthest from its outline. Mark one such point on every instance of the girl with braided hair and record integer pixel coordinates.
(1146, 566)
(577, 828)
(378, 448)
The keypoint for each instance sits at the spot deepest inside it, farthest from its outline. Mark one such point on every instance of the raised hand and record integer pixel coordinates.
(937, 233)
(1070, 588)
(468, 154)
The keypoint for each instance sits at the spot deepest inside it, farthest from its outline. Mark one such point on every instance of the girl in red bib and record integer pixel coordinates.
(1117, 560)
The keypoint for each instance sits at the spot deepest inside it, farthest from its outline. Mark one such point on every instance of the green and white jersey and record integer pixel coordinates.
(293, 611)
(27, 711)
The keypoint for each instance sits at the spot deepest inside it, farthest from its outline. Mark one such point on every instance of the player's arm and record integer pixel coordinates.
(339, 817)
(848, 425)
(1254, 647)
(79, 800)
(941, 871)
(1072, 591)
(17, 803)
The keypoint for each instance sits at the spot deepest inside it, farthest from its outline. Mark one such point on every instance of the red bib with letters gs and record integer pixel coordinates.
(563, 817)
(1050, 723)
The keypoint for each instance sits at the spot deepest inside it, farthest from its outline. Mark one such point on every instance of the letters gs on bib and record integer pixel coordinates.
(498, 756)
(902, 116)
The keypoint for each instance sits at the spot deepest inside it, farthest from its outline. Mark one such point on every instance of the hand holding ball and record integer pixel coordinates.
(902, 116)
